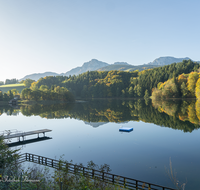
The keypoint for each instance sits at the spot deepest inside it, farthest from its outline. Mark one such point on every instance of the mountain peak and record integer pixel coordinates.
(121, 63)
(167, 60)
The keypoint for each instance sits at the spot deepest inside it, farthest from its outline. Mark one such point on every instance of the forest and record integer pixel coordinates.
(44, 93)
(183, 86)
(170, 81)
(120, 84)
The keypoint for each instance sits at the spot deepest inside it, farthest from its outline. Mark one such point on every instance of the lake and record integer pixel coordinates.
(89, 130)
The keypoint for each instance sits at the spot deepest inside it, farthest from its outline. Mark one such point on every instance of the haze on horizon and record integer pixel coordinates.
(45, 35)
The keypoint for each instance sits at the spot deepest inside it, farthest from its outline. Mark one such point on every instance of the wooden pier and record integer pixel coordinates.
(125, 182)
(23, 134)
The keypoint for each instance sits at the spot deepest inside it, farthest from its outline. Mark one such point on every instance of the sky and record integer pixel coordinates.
(37, 36)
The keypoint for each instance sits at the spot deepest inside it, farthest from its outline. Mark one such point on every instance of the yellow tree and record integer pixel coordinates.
(198, 109)
(191, 82)
(197, 89)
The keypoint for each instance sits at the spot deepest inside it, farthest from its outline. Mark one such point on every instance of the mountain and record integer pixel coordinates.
(92, 65)
(121, 63)
(37, 76)
(167, 60)
(95, 124)
(127, 67)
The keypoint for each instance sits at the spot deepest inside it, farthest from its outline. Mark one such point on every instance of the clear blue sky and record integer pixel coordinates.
(57, 35)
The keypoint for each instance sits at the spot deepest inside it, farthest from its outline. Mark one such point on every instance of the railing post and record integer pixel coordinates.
(92, 173)
(149, 186)
(61, 185)
(32, 157)
(83, 170)
(113, 179)
(21, 181)
(59, 165)
(29, 157)
(67, 167)
(39, 159)
(103, 175)
(136, 184)
(124, 182)
(26, 156)
(52, 163)
(46, 161)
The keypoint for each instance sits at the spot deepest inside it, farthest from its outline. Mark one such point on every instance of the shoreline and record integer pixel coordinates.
(47, 102)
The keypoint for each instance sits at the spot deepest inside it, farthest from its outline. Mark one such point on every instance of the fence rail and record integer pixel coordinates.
(92, 173)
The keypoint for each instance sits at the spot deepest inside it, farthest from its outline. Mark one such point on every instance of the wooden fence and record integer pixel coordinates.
(92, 173)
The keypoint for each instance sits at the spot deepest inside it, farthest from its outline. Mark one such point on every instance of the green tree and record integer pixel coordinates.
(15, 92)
(146, 94)
(10, 94)
(43, 87)
(28, 82)
(5, 96)
(138, 90)
(1, 96)
(131, 92)
(184, 90)
(8, 157)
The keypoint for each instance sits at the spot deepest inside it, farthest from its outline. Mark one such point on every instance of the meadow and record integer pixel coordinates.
(7, 87)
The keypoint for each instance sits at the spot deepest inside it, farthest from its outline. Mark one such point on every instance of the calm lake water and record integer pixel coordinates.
(89, 130)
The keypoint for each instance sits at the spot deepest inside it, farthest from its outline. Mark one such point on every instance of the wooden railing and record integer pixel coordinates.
(92, 173)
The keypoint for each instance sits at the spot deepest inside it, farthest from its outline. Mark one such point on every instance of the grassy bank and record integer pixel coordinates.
(7, 87)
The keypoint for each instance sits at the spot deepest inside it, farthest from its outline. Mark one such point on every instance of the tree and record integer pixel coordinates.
(130, 92)
(43, 87)
(197, 89)
(15, 92)
(10, 94)
(191, 83)
(25, 94)
(34, 86)
(28, 82)
(146, 94)
(184, 90)
(11, 81)
(138, 90)
(8, 157)
(5, 96)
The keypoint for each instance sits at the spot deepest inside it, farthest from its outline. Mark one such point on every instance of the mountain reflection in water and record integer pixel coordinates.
(182, 115)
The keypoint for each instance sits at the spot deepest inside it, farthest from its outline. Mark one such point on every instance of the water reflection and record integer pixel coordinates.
(21, 143)
(182, 115)
(142, 154)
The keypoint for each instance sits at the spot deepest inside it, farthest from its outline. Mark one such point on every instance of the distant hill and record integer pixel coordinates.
(37, 76)
(121, 63)
(92, 65)
(127, 67)
(167, 60)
